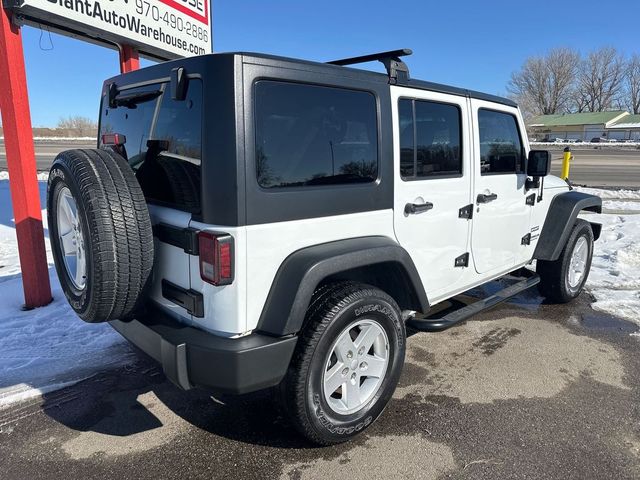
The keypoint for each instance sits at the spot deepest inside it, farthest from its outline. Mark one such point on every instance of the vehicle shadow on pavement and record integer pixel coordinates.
(140, 402)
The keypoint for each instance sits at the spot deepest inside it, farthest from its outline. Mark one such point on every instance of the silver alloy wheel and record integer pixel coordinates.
(578, 262)
(70, 239)
(356, 366)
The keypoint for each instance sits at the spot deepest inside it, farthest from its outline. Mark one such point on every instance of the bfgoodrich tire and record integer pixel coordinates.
(563, 279)
(100, 234)
(347, 363)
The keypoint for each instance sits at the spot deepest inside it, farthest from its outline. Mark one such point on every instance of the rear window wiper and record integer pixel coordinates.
(132, 99)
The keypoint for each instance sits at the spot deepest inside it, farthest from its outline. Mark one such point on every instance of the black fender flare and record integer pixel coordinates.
(301, 272)
(561, 217)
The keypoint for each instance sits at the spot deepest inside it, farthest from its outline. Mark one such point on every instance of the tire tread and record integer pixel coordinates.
(119, 226)
(327, 301)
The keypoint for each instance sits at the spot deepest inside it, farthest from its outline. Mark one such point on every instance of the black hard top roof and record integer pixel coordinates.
(275, 61)
(252, 57)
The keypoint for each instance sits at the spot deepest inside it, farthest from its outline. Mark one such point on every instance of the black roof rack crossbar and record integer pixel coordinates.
(391, 61)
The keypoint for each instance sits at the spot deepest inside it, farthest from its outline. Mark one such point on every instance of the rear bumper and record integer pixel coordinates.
(192, 357)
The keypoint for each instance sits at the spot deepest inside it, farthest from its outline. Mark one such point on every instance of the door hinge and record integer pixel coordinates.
(531, 199)
(185, 238)
(526, 240)
(462, 260)
(466, 212)
(191, 300)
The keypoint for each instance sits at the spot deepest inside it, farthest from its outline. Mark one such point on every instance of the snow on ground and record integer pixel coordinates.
(626, 202)
(609, 144)
(611, 194)
(621, 206)
(61, 139)
(50, 347)
(47, 348)
(42, 176)
(614, 280)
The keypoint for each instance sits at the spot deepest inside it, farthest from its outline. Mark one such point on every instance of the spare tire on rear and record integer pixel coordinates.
(100, 234)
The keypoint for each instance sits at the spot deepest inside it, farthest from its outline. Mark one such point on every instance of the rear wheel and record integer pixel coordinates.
(100, 234)
(562, 280)
(347, 363)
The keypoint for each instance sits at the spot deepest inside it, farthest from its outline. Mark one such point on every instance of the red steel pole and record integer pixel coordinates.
(129, 59)
(23, 180)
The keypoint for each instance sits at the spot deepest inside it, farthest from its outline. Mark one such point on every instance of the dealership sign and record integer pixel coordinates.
(164, 29)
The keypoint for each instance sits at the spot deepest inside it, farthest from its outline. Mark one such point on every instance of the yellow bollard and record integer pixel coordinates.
(566, 160)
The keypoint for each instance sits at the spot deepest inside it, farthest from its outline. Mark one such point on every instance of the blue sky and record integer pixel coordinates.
(474, 44)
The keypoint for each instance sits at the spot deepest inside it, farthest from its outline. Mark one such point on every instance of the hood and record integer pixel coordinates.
(551, 181)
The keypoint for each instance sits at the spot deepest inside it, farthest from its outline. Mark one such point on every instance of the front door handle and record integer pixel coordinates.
(414, 208)
(486, 198)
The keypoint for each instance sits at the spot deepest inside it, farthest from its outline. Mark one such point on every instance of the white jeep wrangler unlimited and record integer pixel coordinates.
(251, 221)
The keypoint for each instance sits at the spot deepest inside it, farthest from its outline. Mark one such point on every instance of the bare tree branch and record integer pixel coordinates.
(632, 84)
(78, 126)
(545, 84)
(600, 80)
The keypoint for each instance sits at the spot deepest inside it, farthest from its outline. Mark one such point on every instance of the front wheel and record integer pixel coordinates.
(563, 279)
(347, 363)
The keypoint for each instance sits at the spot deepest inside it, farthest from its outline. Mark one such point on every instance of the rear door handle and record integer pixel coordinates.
(486, 198)
(415, 208)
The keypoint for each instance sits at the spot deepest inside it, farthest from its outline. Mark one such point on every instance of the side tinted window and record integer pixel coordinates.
(163, 141)
(430, 139)
(311, 135)
(407, 138)
(501, 149)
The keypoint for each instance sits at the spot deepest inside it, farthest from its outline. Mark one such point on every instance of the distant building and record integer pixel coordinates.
(575, 126)
(627, 128)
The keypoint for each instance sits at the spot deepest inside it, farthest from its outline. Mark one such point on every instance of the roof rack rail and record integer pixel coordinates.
(396, 68)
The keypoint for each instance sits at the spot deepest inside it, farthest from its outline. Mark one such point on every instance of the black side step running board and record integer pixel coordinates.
(453, 318)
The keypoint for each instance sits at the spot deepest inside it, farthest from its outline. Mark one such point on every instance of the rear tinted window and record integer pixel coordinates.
(163, 141)
(311, 135)
(407, 139)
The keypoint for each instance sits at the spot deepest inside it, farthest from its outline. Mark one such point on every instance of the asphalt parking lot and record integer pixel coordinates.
(526, 390)
(600, 166)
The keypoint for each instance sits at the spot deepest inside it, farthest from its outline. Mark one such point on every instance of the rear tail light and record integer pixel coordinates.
(216, 258)
(116, 139)
(116, 142)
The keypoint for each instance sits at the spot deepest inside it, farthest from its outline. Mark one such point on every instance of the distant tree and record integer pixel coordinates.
(266, 178)
(599, 81)
(544, 85)
(360, 169)
(78, 126)
(632, 84)
(579, 101)
(526, 105)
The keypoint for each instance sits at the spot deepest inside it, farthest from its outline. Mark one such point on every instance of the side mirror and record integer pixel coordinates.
(538, 163)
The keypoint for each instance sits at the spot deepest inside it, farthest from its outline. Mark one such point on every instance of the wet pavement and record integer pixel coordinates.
(525, 390)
